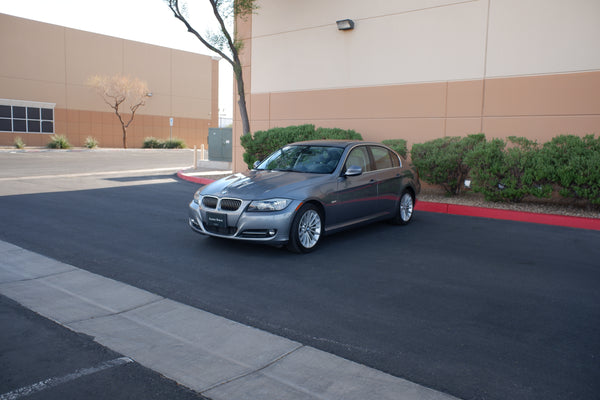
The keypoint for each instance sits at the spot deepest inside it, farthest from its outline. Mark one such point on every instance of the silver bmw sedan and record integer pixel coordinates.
(305, 191)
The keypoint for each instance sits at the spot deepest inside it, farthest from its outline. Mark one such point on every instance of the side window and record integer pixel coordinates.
(395, 160)
(382, 157)
(359, 157)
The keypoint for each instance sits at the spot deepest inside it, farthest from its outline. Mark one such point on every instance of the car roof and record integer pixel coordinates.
(332, 143)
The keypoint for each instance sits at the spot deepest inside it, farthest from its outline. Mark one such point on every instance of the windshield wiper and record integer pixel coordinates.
(286, 170)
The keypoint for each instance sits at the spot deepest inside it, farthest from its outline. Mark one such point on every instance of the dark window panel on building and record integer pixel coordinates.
(5, 125)
(47, 127)
(33, 113)
(47, 114)
(33, 126)
(18, 112)
(19, 125)
(5, 112)
(26, 116)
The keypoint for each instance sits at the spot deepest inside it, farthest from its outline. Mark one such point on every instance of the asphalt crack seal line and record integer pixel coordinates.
(207, 353)
(53, 382)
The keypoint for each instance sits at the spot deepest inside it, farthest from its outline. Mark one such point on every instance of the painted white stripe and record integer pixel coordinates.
(52, 382)
(133, 171)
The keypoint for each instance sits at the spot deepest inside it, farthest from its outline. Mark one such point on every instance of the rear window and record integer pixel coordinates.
(383, 158)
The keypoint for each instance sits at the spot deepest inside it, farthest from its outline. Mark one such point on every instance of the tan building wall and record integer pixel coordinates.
(422, 69)
(51, 64)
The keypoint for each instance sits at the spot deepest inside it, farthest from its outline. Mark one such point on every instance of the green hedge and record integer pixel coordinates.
(154, 143)
(572, 164)
(398, 145)
(505, 171)
(263, 143)
(502, 170)
(442, 161)
(510, 170)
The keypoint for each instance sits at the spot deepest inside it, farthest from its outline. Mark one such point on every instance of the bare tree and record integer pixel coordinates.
(123, 94)
(223, 42)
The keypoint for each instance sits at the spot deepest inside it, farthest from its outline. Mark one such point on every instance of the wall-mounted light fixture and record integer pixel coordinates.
(345, 24)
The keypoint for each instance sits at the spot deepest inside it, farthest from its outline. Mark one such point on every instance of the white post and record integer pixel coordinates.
(195, 157)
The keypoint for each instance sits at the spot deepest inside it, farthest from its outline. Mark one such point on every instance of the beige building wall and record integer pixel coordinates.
(51, 64)
(422, 69)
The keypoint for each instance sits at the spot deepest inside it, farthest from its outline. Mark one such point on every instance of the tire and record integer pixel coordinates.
(306, 229)
(406, 208)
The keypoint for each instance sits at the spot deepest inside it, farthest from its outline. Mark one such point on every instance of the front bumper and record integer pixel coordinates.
(271, 227)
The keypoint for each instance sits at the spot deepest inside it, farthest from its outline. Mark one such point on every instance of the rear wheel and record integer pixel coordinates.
(405, 209)
(306, 229)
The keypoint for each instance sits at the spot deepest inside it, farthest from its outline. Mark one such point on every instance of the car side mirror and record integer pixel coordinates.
(256, 164)
(353, 170)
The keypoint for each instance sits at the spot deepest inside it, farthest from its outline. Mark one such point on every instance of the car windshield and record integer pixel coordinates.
(303, 158)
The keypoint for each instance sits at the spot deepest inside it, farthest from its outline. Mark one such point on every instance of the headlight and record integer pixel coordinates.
(197, 196)
(269, 205)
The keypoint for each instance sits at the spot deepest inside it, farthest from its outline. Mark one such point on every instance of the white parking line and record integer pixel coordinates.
(53, 382)
(82, 174)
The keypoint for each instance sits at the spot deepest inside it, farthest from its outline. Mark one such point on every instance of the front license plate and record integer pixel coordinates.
(218, 220)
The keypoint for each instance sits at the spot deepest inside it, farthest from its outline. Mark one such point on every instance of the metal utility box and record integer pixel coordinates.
(220, 144)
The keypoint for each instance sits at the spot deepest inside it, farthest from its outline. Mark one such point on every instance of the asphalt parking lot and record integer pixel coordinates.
(472, 307)
(42, 360)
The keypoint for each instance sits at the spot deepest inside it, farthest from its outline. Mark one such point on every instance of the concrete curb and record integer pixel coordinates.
(194, 179)
(510, 215)
(481, 212)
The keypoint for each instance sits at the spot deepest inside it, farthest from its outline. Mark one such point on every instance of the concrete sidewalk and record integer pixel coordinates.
(216, 357)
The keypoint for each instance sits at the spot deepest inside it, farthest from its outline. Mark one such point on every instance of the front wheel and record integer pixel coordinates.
(405, 209)
(306, 229)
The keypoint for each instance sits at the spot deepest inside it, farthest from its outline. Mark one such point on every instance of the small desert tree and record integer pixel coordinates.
(125, 95)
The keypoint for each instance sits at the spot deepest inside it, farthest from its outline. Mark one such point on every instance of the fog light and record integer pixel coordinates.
(272, 232)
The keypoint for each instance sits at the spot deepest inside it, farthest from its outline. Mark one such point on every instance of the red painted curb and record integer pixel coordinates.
(482, 212)
(201, 181)
(510, 215)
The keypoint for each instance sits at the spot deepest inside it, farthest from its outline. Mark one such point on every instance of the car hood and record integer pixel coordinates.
(265, 184)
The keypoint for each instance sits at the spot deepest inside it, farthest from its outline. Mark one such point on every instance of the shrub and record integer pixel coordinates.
(59, 142)
(91, 143)
(504, 171)
(572, 163)
(335, 134)
(151, 143)
(173, 144)
(263, 143)
(19, 143)
(398, 145)
(441, 161)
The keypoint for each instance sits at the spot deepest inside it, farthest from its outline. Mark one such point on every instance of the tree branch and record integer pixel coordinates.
(174, 6)
(223, 27)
